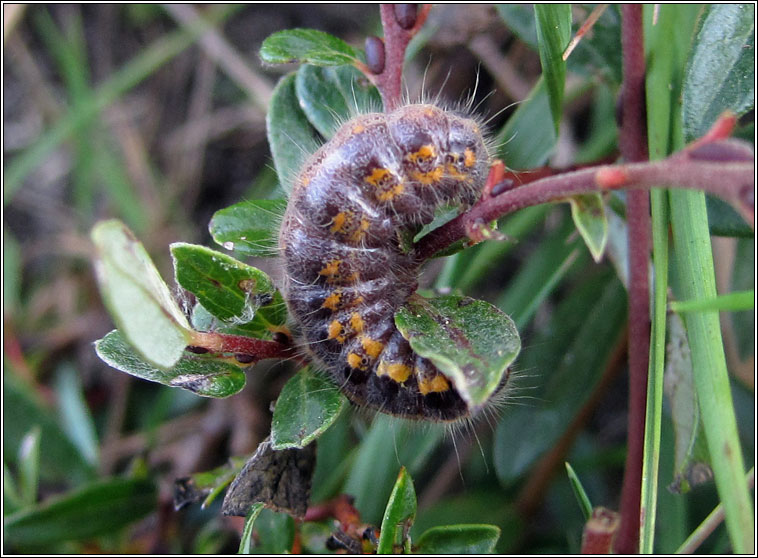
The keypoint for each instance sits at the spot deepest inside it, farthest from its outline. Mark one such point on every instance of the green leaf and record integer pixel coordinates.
(308, 404)
(247, 542)
(202, 376)
(266, 321)
(581, 495)
(139, 301)
(99, 508)
(227, 288)
(472, 342)
(290, 136)
(720, 74)
(723, 220)
(250, 227)
(458, 539)
(60, 461)
(528, 137)
(331, 96)
(538, 276)
(11, 272)
(398, 515)
(307, 46)
(28, 466)
(76, 418)
(374, 471)
(588, 212)
(599, 51)
(11, 494)
(274, 533)
(520, 20)
(553, 36)
(206, 485)
(572, 350)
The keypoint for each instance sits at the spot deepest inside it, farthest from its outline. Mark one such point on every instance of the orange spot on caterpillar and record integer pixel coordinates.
(379, 177)
(358, 128)
(356, 322)
(372, 347)
(340, 221)
(331, 269)
(610, 178)
(436, 384)
(431, 177)
(334, 330)
(398, 371)
(355, 361)
(332, 301)
(469, 158)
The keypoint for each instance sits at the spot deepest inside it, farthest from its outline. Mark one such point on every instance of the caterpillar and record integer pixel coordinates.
(380, 177)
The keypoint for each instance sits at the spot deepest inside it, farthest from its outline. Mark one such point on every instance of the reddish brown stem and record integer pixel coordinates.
(396, 40)
(255, 349)
(730, 179)
(599, 532)
(633, 147)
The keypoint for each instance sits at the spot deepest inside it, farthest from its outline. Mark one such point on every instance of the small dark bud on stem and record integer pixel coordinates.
(405, 15)
(196, 350)
(375, 54)
(243, 358)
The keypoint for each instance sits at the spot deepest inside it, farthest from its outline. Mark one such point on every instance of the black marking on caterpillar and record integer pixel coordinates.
(379, 178)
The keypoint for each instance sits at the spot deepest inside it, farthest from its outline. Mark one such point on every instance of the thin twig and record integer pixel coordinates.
(709, 524)
(225, 55)
(731, 180)
(633, 147)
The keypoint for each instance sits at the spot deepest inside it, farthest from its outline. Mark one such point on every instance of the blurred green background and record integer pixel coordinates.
(141, 112)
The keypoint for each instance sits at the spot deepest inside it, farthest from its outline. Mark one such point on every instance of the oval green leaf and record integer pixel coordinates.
(139, 300)
(290, 135)
(398, 515)
(202, 376)
(528, 137)
(553, 35)
(307, 405)
(588, 212)
(458, 539)
(720, 74)
(99, 508)
(307, 46)
(267, 320)
(227, 288)
(249, 227)
(331, 96)
(472, 342)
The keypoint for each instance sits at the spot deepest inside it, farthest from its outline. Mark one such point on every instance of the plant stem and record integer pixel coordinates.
(396, 40)
(633, 147)
(256, 349)
(731, 180)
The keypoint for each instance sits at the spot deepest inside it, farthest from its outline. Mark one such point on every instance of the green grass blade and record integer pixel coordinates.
(695, 264)
(579, 492)
(122, 81)
(731, 302)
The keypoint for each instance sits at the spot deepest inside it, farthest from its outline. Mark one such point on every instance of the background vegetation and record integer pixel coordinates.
(154, 116)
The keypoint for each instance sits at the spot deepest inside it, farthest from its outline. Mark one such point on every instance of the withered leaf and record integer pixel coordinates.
(280, 479)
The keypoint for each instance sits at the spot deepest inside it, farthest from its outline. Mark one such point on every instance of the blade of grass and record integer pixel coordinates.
(579, 492)
(695, 263)
(731, 302)
(709, 524)
(136, 70)
(659, 100)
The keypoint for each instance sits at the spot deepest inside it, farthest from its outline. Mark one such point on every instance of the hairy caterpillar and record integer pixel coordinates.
(380, 177)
